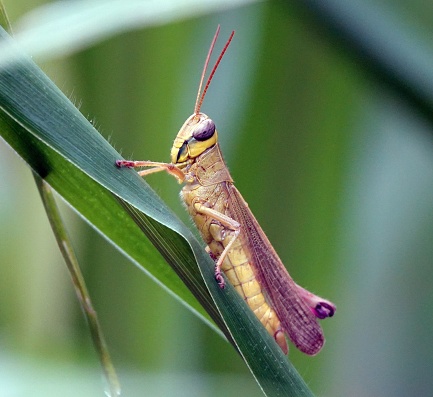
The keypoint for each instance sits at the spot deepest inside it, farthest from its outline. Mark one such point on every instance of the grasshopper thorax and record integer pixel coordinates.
(197, 134)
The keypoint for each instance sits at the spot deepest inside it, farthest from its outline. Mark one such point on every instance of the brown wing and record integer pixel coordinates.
(298, 321)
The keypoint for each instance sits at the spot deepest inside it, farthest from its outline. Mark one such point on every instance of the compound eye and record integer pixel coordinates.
(204, 131)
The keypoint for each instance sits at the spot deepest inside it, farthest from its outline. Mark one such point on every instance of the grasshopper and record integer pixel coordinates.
(233, 236)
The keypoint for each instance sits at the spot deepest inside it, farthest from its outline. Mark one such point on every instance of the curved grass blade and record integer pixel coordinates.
(42, 125)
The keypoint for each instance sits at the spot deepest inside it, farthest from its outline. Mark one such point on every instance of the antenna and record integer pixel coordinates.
(200, 98)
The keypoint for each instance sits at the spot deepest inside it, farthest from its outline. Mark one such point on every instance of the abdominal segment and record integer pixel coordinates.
(240, 273)
(236, 265)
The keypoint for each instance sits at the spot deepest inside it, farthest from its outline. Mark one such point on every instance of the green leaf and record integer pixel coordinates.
(4, 20)
(67, 250)
(60, 145)
(59, 28)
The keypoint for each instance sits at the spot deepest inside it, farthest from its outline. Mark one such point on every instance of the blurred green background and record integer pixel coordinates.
(336, 166)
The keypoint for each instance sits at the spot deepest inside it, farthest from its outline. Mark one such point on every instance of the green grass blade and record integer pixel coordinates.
(59, 144)
(365, 31)
(60, 28)
(4, 19)
(67, 250)
(41, 135)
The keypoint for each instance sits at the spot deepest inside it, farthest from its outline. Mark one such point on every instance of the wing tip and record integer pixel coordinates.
(311, 347)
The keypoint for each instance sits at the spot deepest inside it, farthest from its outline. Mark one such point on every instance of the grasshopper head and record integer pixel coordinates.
(197, 134)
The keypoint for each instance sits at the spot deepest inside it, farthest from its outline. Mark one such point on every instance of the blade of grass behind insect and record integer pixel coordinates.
(78, 24)
(81, 291)
(4, 19)
(64, 149)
